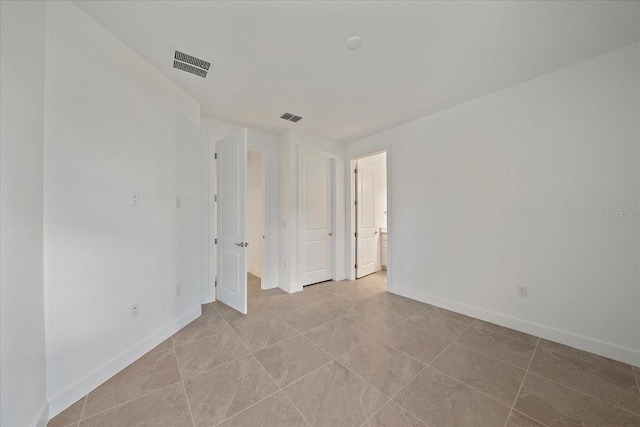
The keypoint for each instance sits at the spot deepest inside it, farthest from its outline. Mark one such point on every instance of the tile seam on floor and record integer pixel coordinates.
(262, 367)
(184, 388)
(522, 384)
(426, 365)
(365, 380)
(636, 414)
(566, 353)
(196, 340)
(323, 350)
(397, 393)
(199, 339)
(492, 357)
(247, 408)
(489, 355)
(596, 365)
(129, 401)
(505, 335)
(635, 374)
(302, 332)
(280, 389)
(84, 404)
(218, 366)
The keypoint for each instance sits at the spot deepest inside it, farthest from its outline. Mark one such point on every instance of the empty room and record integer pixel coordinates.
(319, 213)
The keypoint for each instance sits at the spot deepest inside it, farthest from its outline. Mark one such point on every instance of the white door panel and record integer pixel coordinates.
(315, 219)
(367, 238)
(232, 189)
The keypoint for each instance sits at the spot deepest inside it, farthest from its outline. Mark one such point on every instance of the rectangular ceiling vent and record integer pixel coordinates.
(291, 117)
(190, 64)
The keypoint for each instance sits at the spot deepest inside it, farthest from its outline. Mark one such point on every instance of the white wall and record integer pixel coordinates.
(512, 189)
(268, 144)
(255, 211)
(113, 125)
(292, 144)
(22, 338)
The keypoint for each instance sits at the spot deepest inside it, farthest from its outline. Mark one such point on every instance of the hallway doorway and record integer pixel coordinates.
(369, 219)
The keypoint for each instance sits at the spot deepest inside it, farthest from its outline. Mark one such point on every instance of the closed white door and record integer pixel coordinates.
(367, 233)
(315, 219)
(232, 228)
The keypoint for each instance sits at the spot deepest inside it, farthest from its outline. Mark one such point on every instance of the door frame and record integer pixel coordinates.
(353, 220)
(337, 213)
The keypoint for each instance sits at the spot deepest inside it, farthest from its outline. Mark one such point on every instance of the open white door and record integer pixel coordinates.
(367, 233)
(232, 227)
(316, 219)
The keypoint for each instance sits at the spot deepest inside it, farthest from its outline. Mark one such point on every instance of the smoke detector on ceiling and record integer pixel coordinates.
(291, 117)
(189, 63)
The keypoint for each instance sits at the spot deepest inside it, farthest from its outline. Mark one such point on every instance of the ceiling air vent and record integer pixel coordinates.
(190, 64)
(291, 117)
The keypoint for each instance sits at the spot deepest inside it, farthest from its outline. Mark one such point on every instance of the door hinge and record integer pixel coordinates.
(215, 197)
(355, 203)
(215, 241)
(355, 171)
(355, 266)
(355, 234)
(215, 156)
(215, 284)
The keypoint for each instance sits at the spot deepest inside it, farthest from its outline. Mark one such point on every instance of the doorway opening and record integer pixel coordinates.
(256, 200)
(369, 218)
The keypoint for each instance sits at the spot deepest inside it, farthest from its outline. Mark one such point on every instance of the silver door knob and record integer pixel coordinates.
(330, 234)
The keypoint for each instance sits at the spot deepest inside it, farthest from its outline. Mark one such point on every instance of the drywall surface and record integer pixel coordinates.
(268, 144)
(537, 185)
(113, 125)
(22, 332)
(255, 208)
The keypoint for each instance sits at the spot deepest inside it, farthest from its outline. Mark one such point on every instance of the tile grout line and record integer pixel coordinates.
(637, 414)
(274, 381)
(129, 401)
(267, 372)
(184, 387)
(251, 354)
(426, 365)
(84, 404)
(492, 357)
(513, 405)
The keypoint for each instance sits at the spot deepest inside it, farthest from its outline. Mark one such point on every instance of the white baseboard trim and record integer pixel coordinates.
(42, 417)
(73, 393)
(612, 351)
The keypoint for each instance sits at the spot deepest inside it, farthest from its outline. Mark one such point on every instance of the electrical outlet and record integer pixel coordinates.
(134, 198)
(178, 290)
(177, 202)
(522, 291)
(134, 310)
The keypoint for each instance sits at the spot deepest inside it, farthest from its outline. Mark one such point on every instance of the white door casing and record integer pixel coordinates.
(232, 227)
(316, 246)
(367, 233)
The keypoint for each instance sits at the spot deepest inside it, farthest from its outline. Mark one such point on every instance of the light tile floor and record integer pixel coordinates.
(351, 354)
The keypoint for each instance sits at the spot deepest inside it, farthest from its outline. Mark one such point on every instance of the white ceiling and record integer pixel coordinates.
(416, 58)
